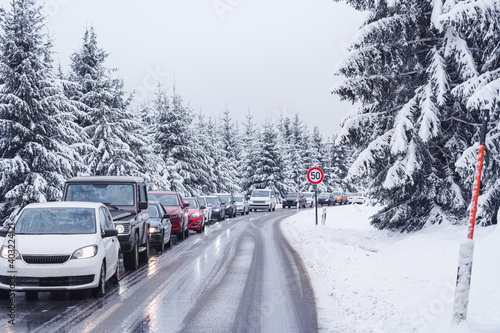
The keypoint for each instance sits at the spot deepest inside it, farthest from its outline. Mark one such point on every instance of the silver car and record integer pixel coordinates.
(241, 205)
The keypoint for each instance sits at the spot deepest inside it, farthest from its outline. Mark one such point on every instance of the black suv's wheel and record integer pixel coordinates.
(160, 247)
(131, 259)
(144, 255)
(100, 290)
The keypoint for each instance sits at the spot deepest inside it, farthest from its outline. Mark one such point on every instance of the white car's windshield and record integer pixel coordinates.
(260, 193)
(36, 221)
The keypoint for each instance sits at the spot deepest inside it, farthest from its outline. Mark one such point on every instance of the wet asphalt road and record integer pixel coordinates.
(240, 275)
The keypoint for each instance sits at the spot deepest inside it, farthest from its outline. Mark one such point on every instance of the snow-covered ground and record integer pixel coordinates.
(366, 280)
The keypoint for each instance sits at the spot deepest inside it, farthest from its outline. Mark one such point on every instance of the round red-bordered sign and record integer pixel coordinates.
(315, 175)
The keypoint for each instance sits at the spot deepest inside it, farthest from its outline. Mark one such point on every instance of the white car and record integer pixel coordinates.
(207, 210)
(60, 246)
(242, 206)
(309, 198)
(262, 199)
(356, 198)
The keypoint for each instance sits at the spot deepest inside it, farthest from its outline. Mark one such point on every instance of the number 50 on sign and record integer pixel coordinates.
(315, 175)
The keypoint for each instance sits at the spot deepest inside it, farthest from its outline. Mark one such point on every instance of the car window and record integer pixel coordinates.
(56, 221)
(202, 201)
(213, 201)
(142, 194)
(239, 199)
(260, 193)
(110, 194)
(153, 210)
(165, 199)
(102, 220)
(192, 203)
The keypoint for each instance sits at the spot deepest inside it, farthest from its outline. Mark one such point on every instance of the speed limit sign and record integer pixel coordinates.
(315, 175)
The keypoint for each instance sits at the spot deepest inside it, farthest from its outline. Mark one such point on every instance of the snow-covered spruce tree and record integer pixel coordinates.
(230, 152)
(408, 125)
(339, 160)
(205, 142)
(270, 169)
(37, 129)
(249, 146)
(214, 148)
(186, 169)
(154, 169)
(111, 127)
(472, 36)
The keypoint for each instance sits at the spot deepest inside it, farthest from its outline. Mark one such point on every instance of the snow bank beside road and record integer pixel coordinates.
(366, 280)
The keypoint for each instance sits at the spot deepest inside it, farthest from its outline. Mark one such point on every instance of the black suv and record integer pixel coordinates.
(127, 201)
(229, 203)
(291, 200)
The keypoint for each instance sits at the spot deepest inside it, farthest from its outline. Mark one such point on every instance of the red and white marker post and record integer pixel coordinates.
(466, 253)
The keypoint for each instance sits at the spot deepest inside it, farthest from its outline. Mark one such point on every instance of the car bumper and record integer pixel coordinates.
(259, 206)
(75, 274)
(195, 224)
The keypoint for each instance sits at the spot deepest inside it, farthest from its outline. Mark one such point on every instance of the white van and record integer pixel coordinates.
(262, 199)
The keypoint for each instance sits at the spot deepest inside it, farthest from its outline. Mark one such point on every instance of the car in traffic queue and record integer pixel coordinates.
(126, 199)
(358, 198)
(309, 198)
(208, 209)
(196, 215)
(340, 198)
(262, 199)
(326, 198)
(174, 205)
(291, 200)
(242, 206)
(229, 203)
(218, 208)
(160, 228)
(60, 246)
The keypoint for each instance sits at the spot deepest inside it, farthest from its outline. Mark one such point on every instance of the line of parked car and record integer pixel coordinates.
(76, 243)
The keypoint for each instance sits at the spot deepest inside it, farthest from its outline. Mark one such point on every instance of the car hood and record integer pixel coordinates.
(260, 198)
(193, 211)
(52, 244)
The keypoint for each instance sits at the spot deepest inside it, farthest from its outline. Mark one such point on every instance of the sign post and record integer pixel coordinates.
(315, 176)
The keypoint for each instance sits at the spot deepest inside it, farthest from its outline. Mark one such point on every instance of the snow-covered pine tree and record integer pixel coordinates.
(214, 149)
(270, 169)
(154, 169)
(231, 155)
(402, 130)
(36, 119)
(249, 146)
(189, 157)
(472, 36)
(203, 130)
(111, 127)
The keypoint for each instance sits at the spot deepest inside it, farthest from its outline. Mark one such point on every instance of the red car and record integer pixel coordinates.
(196, 215)
(177, 209)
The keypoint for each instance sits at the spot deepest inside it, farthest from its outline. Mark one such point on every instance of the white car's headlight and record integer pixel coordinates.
(195, 215)
(7, 253)
(85, 252)
(153, 230)
(268, 201)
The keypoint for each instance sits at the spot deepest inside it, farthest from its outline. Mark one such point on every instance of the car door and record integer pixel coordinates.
(111, 245)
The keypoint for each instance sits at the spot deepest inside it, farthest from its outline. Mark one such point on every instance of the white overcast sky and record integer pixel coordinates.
(269, 56)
